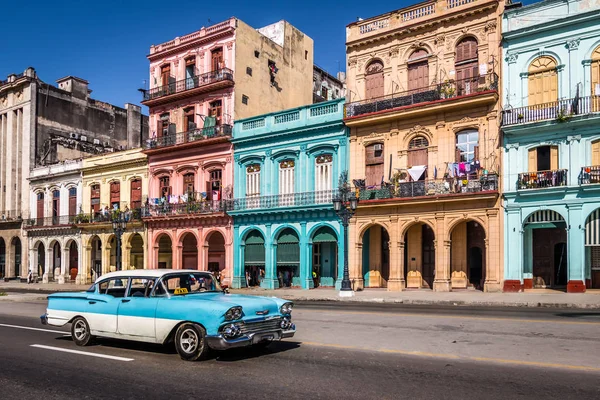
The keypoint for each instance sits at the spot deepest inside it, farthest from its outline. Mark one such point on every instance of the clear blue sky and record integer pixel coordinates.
(106, 42)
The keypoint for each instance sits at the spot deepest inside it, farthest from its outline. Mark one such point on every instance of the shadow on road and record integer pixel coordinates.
(245, 353)
(579, 314)
(129, 345)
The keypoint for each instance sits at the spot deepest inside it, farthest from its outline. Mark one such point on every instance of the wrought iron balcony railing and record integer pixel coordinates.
(10, 216)
(223, 74)
(283, 200)
(103, 217)
(189, 136)
(441, 91)
(186, 208)
(50, 221)
(428, 187)
(560, 111)
(542, 179)
(589, 175)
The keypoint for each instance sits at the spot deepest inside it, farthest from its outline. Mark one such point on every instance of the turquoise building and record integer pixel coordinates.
(287, 166)
(551, 130)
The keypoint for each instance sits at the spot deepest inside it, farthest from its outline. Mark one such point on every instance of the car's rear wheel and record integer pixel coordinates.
(190, 343)
(80, 332)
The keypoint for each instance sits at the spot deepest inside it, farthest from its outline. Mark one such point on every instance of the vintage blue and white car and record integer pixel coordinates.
(187, 307)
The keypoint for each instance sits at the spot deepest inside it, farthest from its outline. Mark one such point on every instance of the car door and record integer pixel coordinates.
(103, 305)
(137, 310)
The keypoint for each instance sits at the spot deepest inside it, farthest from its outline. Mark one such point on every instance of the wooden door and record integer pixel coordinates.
(165, 76)
(188, 121)
(115, 194)
(374, 80)
(216, 111)
(418, 70)
(56, 203)
(596, 153)
(72, 202)
(417, 157)
(595, 68)
(217, 59)
(136, 194)
(40, 206)
(374, 174)
(467, 66)
(95, 198)
(542, 81)
(164, 186)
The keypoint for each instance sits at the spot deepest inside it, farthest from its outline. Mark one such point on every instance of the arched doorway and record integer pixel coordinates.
(2, 258)
(16, 256)
(96, 255)
(374, 87)
(216, 252)
(325, 257)
(165, 252)
(545, 250)
(189, 251)
(56, 259)
(376, 257)
(136, 252)
(41, 258)
(467, 256)
(73, 260)
(288, 258)
(419, 257)
(254, 258)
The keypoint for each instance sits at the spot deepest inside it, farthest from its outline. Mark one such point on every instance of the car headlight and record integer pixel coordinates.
(286, 308)
(233, 313)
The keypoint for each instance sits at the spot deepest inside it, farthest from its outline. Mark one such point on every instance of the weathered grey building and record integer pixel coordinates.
(326, 86)
(42, 124)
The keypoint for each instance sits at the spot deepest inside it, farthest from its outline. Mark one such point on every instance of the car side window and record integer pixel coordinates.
(114, 287)
(159, 289)
(140, 287)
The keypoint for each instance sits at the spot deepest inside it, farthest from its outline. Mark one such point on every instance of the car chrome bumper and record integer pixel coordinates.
(44, 319)
(219, 342)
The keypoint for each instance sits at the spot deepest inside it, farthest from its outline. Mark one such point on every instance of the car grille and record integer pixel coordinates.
(262, 326)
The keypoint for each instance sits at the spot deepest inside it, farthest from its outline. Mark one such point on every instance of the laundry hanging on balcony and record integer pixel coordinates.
(417, 171)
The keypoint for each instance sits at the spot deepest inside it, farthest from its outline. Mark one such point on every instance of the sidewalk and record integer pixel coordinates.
(533, 298)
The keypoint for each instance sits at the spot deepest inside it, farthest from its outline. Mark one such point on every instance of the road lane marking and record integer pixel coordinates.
(34, 329)
(379, 314)
(83, 353)
(460, 358)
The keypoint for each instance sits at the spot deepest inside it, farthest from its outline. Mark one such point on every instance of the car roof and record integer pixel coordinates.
(145, 273)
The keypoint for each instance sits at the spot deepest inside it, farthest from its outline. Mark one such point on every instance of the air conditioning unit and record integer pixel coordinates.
(96, 141)
(84, 138)
(74, 136)
(378, 147)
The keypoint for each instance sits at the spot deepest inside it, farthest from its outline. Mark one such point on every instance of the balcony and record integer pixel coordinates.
(324, 197)
(10, 216)
(184, 205)
(212, 132)
(107, 216)
(542, 179)
(560, 111)
(430, 95)
(589, 175)
(190, 86)
(428, 187)
(63, 220)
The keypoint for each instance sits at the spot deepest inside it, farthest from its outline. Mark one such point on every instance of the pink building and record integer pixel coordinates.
(200, 83)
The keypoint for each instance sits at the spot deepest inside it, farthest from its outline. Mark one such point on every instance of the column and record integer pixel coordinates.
(396, 281)
(149, 260)
(493, 254)
(33, 263)
(305, 266)
(84, 272)
(575, 249)
(442, 245)
(175, 251)
(106, 247)
(270, 281)
(48, 273)
(146, 250)
(238, 260)
(204, 259)
(64, 263)
(340, 258)
(227, 274)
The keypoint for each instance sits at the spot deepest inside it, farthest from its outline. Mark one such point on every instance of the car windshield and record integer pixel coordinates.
(190, 282)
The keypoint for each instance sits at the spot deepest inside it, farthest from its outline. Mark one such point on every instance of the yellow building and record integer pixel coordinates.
(113, 185)
(424, 146)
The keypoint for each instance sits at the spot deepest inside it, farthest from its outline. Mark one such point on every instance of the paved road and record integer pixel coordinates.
(349, 352)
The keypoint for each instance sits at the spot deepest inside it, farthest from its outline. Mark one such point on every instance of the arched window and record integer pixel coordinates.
(136, 194)
(253, 180)
(72, 201)
(596, 79)
(213, 186)
(466, 64)
(188, 183)
(374, 164)
(542, 81)
(374, 80)
(467, 146)
(323, 172)
(417, 152)
(418, 70)
(164, 183)
(115, 194)
(217, 58)
(95, 198)
(55, 203)
(40, 205)
(286, 176)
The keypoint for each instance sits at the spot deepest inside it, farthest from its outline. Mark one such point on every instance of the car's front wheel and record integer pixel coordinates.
(190, 343)
(80, 332)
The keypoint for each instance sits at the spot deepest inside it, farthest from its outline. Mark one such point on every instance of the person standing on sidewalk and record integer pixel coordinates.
(30, 275)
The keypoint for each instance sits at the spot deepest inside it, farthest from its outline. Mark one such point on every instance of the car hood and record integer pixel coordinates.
(252, 306)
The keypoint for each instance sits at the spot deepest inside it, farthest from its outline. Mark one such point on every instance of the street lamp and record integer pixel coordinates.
(119, 224)
(344, 204)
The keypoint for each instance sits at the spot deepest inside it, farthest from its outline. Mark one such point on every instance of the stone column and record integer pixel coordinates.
(340, 258)
(575, 249)
(270, 281)
(396, 279)
(354, 256)
(175, 253)
(227, 273)
(238, 250)
(48, 274)
(442, 244)
(106, 247)
(204, 260)
(64, 266)
(85, 260)
(305, 271)
(493, 254)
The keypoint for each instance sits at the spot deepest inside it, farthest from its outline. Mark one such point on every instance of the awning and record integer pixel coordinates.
(592, 229)
(324, 235)
(545, 219)
(416, 171)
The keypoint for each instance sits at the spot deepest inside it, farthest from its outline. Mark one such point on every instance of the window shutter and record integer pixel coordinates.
(553, 157)
(208, 190)
(457, 154)
(596, 152)
(532, 163)
(172, 129)
(476, 153)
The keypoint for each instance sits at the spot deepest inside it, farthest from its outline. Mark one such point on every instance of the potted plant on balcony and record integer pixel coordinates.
(447, 89)
(562, 115)
(520, 116)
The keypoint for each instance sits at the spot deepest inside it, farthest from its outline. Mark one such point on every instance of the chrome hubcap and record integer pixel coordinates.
(189, 340)
(80, 331)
